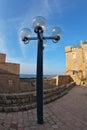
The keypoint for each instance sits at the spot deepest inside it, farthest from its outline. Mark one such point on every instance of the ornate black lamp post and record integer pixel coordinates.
(39, 26)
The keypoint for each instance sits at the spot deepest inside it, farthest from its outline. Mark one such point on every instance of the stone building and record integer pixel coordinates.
(76, 62)
(9, 76)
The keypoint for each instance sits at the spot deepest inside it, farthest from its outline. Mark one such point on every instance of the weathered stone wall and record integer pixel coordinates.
(9, 76)
(12, 68)
(29, 84)
(9, 83)
(49, 83)
(63, 79)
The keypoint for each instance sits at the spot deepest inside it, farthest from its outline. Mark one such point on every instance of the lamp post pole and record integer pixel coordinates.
(39, 82)
(39, 26)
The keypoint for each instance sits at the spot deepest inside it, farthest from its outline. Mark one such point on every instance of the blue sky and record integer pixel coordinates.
(70, 15)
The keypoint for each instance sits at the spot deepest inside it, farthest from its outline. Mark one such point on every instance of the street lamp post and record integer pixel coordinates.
(39, 26)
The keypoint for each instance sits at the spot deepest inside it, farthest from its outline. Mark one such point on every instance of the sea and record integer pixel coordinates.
(33, 76)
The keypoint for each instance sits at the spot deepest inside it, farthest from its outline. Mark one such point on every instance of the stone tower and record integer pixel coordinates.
(76, 62)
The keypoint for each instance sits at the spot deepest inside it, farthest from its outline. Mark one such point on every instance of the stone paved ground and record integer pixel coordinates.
(66, 113)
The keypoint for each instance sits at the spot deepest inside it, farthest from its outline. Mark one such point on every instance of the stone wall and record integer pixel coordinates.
(9, 76)
(29, 84)
(63, 79)
(9, 83)
(12, 68)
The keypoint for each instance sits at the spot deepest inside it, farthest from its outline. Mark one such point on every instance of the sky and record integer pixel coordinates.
(69, 15)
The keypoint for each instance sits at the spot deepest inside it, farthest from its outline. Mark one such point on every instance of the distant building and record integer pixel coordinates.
(76, 62)
(9, 75)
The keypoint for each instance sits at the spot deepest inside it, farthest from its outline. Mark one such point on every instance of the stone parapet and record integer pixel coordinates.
(68, 49)
(29, 84)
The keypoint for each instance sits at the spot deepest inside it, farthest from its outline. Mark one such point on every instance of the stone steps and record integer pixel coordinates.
(26, 101)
